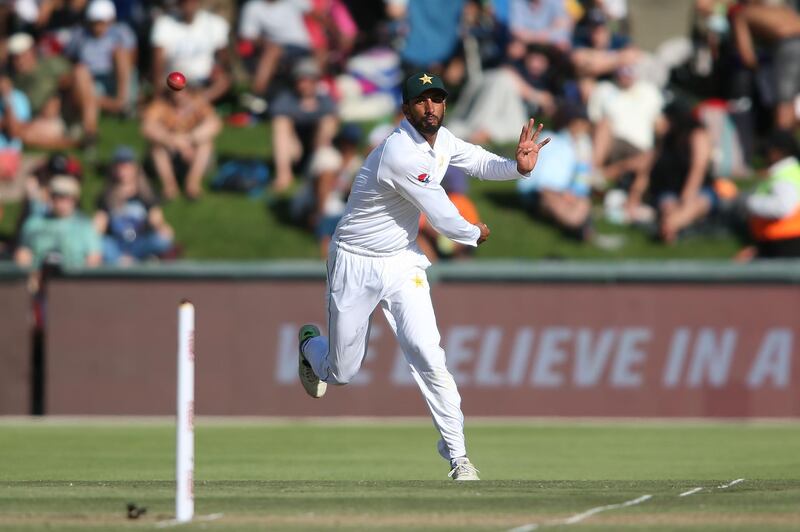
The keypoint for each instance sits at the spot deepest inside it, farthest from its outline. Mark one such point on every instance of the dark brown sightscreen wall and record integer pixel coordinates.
(515, 349)
(15, 348)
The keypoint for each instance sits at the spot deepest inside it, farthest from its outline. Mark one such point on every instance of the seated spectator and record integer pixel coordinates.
(181, 128)
(680, 185)
(779, 26)
(773, 208)
(597, 51)
(192, 41)
(273, 34)
(332, 170)
(42, 80)
(128, 215)
(37, 184)
(505, 96)
(625, 114)
(303, 120)
(484, 37)
(429, 36)
(104, 54)
(64, 232)
(15, 111)
(559, 190)
(332, 32)
(437, 246)
(544, 22)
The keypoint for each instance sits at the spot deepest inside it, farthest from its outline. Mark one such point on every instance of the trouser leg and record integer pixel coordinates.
(410, 314)
(353, 293)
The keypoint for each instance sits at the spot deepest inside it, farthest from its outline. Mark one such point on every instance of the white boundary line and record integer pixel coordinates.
(720, 487)
(577, 518)
(588, 513)
(731, 483)
(198, 519)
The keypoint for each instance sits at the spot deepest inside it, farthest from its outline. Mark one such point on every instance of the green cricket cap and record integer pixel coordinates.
(419, 83)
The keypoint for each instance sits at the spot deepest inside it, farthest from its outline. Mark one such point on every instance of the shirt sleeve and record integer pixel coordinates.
(22, 106)
(483, 164)
(249, 26)
(160, 34)
(125, 37)
(220, 32)
(430, 198)
(781, 201)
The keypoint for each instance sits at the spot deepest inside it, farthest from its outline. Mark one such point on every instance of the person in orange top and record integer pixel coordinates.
(435, 245)
(773, 209)
(181, 128)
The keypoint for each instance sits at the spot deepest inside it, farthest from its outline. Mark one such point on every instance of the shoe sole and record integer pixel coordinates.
(315, 390)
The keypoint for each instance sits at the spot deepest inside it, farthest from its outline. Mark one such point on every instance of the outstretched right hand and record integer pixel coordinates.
(484, 232)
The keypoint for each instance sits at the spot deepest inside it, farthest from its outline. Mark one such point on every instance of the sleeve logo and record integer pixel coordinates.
(424, 178)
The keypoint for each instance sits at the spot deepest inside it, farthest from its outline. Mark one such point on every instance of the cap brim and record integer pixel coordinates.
(420, 93)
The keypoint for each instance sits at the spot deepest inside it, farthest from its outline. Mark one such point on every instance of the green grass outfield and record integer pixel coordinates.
(236, 227)
(355, 475)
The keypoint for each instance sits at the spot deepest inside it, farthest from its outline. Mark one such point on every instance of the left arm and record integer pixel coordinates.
(700, 146)
(781, 201)
(208, 128)
(487, 166)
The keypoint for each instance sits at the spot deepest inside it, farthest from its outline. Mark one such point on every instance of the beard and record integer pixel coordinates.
(427, 124)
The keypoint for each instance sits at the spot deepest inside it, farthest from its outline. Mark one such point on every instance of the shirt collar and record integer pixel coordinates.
(418, 139)
(781, 165)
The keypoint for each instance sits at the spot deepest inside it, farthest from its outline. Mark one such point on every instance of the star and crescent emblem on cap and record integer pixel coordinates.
(426, 79)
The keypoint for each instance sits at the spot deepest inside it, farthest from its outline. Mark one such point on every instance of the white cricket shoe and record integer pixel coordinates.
(313, 386)
(463, 469)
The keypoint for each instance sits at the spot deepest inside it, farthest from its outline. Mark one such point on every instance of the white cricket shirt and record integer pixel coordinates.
(402, 177)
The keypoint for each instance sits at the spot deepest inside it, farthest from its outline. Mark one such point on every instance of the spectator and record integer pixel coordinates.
(625, 114)
(558, 189)
(778, 25)
(303, 120)
(274, 34)
(504, 96)
(544, 22)
(435, 245)
(773, 209)
(104, 52)
(37, 185)
(430, 35)
(42, 80)
(598, 52)
(332, 170)
(332, 32)
(680, 184)
(181, 128)
(64, 232)
(192, 41)
(128, 215)
(15, 111)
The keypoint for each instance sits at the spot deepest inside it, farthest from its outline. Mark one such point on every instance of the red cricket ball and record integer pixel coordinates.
(176, 81)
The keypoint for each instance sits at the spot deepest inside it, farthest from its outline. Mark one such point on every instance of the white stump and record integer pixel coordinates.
(184, 473)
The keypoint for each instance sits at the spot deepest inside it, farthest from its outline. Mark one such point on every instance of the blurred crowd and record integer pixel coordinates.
(668, 139)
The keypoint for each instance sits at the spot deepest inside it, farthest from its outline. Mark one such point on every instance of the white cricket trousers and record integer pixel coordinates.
(357, 283)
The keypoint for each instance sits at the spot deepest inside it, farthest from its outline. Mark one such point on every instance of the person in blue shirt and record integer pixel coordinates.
(129, 216)
(558, 189)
